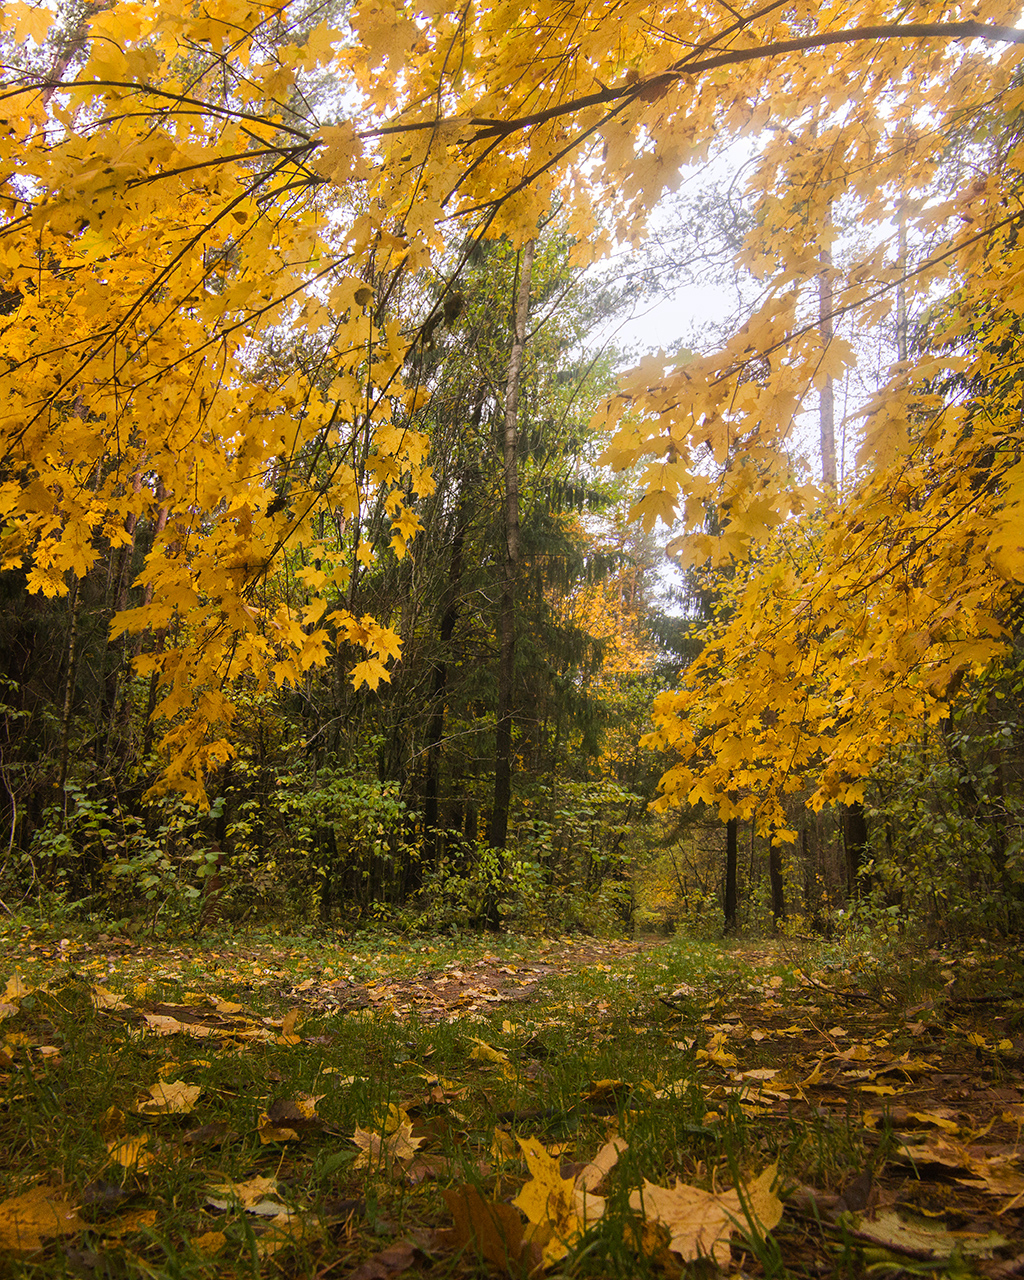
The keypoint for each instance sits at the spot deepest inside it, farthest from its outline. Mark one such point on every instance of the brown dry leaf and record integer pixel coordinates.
(995, 1177)
(391, 1261)
(288, 1118)
(698, 1223)
(933, 1148)
(172, 1097)
(28, 1220)
(494, 1230)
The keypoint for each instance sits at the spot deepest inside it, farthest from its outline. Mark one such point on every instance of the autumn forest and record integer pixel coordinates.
(532, 466)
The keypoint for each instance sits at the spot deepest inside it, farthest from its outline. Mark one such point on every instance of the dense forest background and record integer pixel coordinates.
(346, 807)
(503, 775)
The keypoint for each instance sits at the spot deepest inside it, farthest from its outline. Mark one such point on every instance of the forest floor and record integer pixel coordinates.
(375, 1107)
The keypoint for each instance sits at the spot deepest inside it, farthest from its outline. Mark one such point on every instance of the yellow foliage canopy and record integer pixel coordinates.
(186, 190)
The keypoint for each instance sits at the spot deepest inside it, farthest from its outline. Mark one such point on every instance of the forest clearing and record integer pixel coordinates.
(377, 1107)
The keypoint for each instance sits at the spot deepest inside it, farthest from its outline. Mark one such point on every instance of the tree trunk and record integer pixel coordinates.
(855, 840)
(731, 855)
(497, 835)
(433, 838)
(777, 884)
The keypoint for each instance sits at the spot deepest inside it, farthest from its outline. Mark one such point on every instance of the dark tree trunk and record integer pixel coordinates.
(433, 838)
(855, 843)
(497, 834)
(777, 884)
(731, 856)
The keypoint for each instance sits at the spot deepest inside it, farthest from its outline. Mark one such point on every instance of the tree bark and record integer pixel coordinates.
(497, 835)
(433, 836)
(777, 883)
(731, 855)
(855, 842)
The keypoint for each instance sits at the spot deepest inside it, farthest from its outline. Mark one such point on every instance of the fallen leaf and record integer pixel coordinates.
(26, 1221)
(173, 1097)
(289, 1027)
(16, 988)
(210, 1243)
(101, 998)
(485, 1053)
(558, 1209)
(251, 1195)
(701, 1223)
(287, 1118)
(593, 1174)
(285, 1229)
(385, 1150)
(927, 1241)
(391, 1261)
(494, 1230)
(129, 1152)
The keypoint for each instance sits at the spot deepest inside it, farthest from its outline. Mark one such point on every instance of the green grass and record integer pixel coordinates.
(613, 1048)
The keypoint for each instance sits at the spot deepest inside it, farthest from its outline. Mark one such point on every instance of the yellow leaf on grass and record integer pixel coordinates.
(131, 1151)
(249, 1194)
(225, 1006)
(485, 1053)
(387, 1149)
(166, 1026)
(814, 1078)
(210, 1243)
(26, 1221)
(173, 1097)
(558, 1208)
(16, 988)
(101, 998)
(701, 1223)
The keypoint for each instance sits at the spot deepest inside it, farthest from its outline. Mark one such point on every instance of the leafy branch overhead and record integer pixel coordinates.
(207, 212)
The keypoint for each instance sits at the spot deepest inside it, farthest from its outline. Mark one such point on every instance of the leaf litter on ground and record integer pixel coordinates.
(751, 1093)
